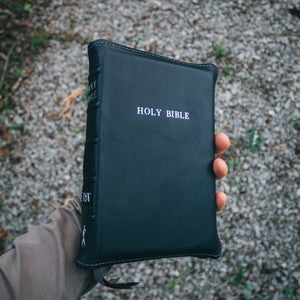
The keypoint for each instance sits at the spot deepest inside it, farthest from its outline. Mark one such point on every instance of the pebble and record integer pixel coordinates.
(246, 166)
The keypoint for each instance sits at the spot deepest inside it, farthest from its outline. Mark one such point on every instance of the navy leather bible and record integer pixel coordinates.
(149, 187)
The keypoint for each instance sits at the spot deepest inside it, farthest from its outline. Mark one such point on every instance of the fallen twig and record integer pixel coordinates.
(25, 73)
(53, 204)
(6, 64)
(68, 100)
(67, 200)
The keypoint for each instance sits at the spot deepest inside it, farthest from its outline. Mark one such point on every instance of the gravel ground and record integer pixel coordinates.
(257, 91)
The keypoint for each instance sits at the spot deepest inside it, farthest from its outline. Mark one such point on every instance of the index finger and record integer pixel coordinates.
(222, 142)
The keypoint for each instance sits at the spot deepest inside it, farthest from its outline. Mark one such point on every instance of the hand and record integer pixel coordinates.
(220, 167)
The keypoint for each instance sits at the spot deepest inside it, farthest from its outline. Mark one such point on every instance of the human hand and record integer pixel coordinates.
(222, 142)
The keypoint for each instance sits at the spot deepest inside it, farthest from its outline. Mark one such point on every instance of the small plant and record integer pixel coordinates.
(244, 10)
(76, 183)
(87, 38)
(11, 186)
(60, 128)
(1, 204)
(35, 207)
(269, 269)
(38, 39)
(228, 71)
(220, 51)
(233, 182)
(15, 126)
(17, 230)
(19, 40)
(239, 277)
(231, 164)
(79, 129)
(266, 87)
(7, 110)
(254, 139)
(247, 289)
(288, 292)
(26, 7)
(296, 122)
(275, 220)
(172, 283)
(140, 41)
(64, 37)
(248, 79)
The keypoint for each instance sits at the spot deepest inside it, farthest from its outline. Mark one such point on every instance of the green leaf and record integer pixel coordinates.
(220, 51)
(172, 283)
(254, 139)
(223, 253)
(19, 72)
(88, 38)
(27, 7)
(248, 286)
(15, 125)
(231, 164)
(240, 141)
(228, 71)
(246, 294)
(79, 129)
(60, 128)
(288, 292)
(13, 226)
(17, 230)
(11, 186)
(248, 79)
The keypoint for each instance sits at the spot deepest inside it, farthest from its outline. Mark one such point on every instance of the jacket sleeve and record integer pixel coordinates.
(42, 263)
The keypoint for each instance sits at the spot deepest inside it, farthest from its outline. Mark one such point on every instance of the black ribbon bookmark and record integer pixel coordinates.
(112, 283)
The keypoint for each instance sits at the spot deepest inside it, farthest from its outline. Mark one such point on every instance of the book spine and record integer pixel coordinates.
(91, 152)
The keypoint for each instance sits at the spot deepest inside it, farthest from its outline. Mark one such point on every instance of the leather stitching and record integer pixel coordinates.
(208, 255)
(160, 57)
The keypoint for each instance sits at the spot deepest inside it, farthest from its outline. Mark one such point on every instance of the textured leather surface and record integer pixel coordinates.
(154, 187)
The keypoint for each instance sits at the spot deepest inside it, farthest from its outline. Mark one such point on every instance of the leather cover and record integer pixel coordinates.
(149, 186)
